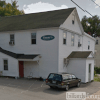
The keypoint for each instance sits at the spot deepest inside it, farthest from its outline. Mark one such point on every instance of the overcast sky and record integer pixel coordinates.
(33, 6)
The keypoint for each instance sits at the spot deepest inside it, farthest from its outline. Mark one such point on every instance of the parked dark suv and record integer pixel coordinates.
(62, 80)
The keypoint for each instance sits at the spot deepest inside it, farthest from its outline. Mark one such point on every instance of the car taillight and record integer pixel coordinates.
(62, 83)
(46, 80)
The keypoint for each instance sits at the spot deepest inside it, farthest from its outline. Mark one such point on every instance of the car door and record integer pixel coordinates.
(70, 81)
(75, 80)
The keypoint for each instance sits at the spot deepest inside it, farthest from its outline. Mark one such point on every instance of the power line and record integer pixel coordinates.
(89, 13)
(95, 3)
(82, 8)
(78, 5)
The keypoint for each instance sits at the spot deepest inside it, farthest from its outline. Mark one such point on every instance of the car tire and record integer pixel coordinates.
(78, 84)
(67, 87)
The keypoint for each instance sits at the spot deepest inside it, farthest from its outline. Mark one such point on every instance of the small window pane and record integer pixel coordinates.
(64, 41)
(5, 62)
(33, 41)
(70, 76)
(33, 35)
(73, 76)
(72, 39)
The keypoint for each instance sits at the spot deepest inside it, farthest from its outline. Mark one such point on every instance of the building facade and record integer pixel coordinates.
(50, 42)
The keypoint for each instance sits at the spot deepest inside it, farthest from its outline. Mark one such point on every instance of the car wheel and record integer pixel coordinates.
(67, 87)
(78, 84)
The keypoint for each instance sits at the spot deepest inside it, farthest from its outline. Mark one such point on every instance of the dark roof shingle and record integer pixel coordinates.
(35, 20)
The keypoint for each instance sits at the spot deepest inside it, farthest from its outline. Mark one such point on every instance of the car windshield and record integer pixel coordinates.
(56, 77)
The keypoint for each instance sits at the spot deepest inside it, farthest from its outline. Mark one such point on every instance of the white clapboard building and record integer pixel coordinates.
(48, 42)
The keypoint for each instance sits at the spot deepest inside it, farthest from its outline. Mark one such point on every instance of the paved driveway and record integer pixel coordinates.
(24, 89)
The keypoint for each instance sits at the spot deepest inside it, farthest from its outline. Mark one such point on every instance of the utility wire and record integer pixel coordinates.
(95, 3)
(89, 13)
(78, 5)
(82, 8)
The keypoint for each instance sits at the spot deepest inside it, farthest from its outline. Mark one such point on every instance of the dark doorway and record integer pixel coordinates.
(21, 69)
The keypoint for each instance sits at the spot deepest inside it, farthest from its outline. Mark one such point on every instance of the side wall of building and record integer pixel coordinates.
(13, 69)
(86, 41)
(47, 49)
(77, 67)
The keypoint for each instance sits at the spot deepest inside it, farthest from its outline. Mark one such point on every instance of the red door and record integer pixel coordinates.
(21, 69)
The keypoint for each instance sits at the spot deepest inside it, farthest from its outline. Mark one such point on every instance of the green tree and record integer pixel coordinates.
(7, 9)
(94, 24)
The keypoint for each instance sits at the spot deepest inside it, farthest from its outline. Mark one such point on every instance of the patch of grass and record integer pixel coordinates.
(96, 78)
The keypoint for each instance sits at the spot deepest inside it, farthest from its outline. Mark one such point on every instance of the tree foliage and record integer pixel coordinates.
(7, 9)
(94, 27)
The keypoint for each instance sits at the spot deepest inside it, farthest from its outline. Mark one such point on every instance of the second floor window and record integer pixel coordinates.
(73, 19)
(97, 42)
(64, 37)
(88, 45)
(11, 37)
(72, 39)
(33, 38)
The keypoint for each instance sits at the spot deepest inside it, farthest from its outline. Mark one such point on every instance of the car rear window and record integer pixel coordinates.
(56, 77)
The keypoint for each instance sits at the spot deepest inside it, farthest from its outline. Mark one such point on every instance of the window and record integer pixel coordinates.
(72, 40)
(64, 37)
(55, 77)
(70, 76)
(88, 45)
(11, 37)
(73, 19)
(97, 42)
(65, 77)
(73, 76)
(5, 64)
(78, 39)
(33, 38)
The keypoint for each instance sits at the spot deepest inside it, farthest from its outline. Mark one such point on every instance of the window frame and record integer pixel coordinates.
(72, 39)
(34, 38)
(64, 38)
(4, 65)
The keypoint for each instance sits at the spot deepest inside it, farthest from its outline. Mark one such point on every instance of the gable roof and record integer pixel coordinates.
(18, 56)
(79, 54)
(35, 20)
